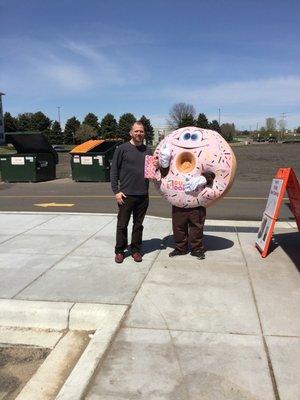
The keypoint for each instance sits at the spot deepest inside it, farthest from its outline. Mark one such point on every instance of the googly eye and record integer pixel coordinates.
(194, 136)
(185, 136)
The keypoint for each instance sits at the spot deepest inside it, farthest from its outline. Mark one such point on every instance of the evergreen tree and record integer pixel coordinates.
(24, 122)
(92, 120)
(10, 123)
(71, 127)
(187, 120)
(149, 131)
(109, 127)
(56, 136)
(40, 122)
(214, 126)
(85, 132)
(125, 123)
(202, 121)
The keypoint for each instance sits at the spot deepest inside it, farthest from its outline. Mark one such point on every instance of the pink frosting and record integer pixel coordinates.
(210, 152)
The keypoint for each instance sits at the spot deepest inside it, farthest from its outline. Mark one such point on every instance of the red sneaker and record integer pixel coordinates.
(119, 258)
(137, 257)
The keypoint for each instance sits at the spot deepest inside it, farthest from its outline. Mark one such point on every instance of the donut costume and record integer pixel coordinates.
(198, 168)
(195, 151)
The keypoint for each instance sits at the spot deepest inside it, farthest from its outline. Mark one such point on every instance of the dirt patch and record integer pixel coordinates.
(17, 365)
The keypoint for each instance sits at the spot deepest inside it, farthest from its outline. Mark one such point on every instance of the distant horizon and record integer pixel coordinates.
(239, 56)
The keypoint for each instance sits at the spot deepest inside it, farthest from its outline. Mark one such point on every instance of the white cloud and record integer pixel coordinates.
(281, 91)
(67, 76)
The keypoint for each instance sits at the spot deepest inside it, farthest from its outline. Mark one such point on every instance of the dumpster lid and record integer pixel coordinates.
(87, 146)
(31, 143)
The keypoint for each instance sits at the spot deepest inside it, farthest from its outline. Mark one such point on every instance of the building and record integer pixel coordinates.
(160, 133)
(2, 135)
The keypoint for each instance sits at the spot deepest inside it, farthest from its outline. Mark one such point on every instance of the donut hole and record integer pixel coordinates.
(185, 162)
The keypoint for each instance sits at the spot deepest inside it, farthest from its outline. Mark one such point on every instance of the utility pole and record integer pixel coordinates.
(58, 111)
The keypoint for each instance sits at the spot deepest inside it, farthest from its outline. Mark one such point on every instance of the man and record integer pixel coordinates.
(131, 191)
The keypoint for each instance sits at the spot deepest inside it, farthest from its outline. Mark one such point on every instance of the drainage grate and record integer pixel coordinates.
(240, 229)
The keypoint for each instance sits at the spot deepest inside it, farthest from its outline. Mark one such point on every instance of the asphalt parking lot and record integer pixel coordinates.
(256, 166)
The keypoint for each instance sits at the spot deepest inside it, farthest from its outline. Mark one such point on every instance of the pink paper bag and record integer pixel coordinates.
(150, 169)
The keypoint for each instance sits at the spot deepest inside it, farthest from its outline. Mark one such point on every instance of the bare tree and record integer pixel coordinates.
(271, 124)
(181, 114)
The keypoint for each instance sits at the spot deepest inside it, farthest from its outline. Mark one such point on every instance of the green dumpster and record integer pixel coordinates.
(91, 160)
(34, 160)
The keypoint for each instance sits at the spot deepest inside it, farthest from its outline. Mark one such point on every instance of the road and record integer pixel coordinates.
(245, 201)
(256, 167)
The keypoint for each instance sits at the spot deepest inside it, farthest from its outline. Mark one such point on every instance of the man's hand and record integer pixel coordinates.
(165, 156)
(119, 197)
(193, 183)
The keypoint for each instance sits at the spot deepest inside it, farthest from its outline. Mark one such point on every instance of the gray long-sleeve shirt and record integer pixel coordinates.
(127, 170)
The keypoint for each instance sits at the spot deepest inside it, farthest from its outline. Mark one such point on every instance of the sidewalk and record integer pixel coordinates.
(226, 327)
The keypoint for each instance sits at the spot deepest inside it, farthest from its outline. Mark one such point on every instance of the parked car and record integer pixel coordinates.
(60, 148)
(272, 139)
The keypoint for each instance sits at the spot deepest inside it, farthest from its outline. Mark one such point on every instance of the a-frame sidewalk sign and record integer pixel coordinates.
(285, 180)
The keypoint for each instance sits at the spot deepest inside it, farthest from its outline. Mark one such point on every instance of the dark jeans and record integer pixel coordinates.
(137, 206)
(188, 224)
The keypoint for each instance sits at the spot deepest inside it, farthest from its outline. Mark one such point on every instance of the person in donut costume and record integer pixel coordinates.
(197, 168)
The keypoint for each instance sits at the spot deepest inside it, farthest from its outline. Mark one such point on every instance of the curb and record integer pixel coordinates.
(104, 319)
(209, 222)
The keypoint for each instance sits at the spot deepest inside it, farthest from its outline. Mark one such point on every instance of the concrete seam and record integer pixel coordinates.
(58, 261)
(28, 230)
(69, 313)
(266, 349)
(116, 331)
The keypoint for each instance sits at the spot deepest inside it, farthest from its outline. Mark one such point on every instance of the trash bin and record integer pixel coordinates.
(34, 160)
(91, 160)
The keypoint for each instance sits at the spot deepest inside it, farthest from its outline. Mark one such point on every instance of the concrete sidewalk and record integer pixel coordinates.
(226, 327)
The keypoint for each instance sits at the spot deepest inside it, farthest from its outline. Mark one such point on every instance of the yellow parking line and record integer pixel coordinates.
(111, 197)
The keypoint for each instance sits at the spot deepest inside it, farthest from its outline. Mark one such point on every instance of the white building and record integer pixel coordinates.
(160, 133)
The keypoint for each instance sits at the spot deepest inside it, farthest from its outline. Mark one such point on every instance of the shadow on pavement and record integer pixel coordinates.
(211, 243)
(290, 243)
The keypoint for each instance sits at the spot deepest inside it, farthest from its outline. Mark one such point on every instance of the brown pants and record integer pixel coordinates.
(188, 224)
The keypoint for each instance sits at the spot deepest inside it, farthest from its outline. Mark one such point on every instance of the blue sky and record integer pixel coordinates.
(143, 56)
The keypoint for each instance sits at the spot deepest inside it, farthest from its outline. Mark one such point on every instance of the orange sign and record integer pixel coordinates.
(285, 179)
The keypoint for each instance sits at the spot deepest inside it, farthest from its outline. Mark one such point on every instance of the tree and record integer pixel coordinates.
(282, 125)
(109, 127)
(71, 126)
(56, 136)
(92, 120)
(125, 123)
(85, 132)
(24, 121)
(149, 131)
(298, 130)
(214, 125)
(10, 123)
(40, 122)
(202, 121)
(271, 124)
(181, 114)
(228, 131)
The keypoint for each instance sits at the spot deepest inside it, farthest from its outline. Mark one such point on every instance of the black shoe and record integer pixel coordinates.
(177, 252)
(200, 254)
